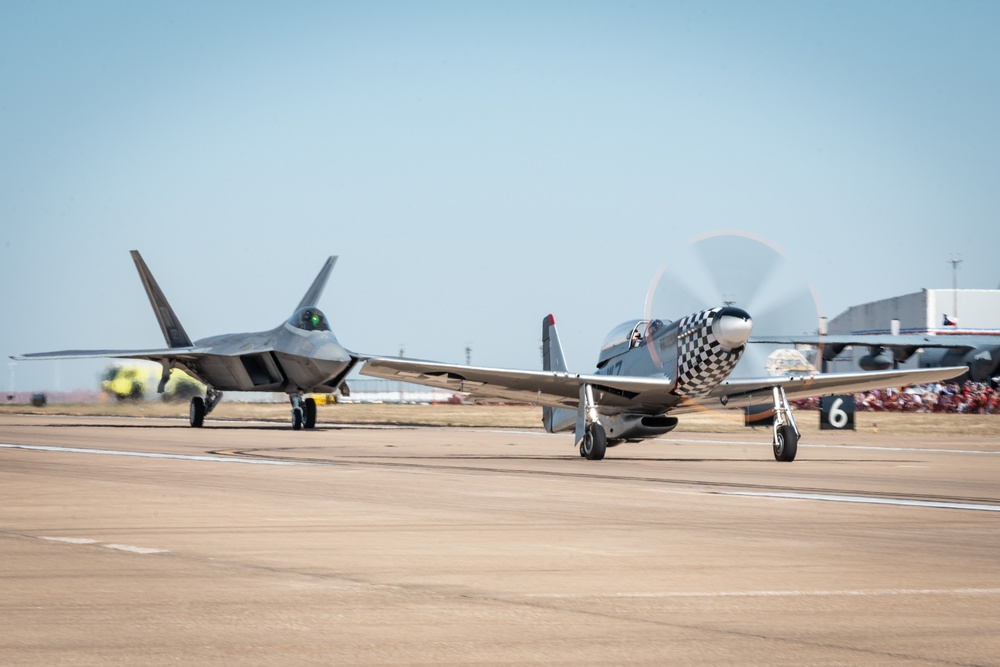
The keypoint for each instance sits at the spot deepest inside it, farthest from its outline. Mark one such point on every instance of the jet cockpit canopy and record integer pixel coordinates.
(309, 319)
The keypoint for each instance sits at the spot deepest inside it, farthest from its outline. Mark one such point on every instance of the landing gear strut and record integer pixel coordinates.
(589, 432)
(303, 412)
(786, 433)
(202, 406)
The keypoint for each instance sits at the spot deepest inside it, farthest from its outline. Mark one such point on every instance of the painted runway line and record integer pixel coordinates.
(131, 548)
(70, 540)
(868, 500)
(151, 455)
(872, 592)
(810, 445)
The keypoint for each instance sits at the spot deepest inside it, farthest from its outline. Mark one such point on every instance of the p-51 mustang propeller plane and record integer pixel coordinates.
(648, 371)
(298, 357)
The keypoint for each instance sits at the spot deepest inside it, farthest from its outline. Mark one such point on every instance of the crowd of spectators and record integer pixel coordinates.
(950, 397)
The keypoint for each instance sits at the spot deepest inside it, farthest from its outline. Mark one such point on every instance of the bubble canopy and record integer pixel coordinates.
(309, 319)
(627, 335)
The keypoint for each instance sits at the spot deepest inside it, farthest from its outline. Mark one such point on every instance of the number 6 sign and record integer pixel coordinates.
(836, 412)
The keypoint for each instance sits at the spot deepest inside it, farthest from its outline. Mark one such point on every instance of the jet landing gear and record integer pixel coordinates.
(303, 413)
(202, 406)
(786, 433)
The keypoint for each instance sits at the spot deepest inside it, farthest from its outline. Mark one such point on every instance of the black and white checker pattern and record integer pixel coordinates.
(701, 361)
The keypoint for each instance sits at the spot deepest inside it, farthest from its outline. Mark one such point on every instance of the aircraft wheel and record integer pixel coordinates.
(309, 406)
(786, 443)
(297, 419)
(197, 412)
(595, 443)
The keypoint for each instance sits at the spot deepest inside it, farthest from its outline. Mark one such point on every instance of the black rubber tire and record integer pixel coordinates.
(786, 445)
(297, 419)
(309, 407)
(595, 442)
(196, 415)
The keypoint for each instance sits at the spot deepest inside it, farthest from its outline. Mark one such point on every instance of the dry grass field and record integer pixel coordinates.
(510, 416)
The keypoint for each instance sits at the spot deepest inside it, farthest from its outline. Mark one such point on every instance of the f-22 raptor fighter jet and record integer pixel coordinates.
(298, 357)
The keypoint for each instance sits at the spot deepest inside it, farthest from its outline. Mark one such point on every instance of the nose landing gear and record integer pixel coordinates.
(303, 413)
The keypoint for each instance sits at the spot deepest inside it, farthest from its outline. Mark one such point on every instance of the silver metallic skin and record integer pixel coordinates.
(647, 372)
(299, 356)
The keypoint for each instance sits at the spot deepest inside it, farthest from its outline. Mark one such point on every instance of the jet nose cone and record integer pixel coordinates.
(732, 327)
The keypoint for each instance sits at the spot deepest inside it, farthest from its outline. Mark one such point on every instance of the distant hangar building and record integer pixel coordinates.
(930, 311)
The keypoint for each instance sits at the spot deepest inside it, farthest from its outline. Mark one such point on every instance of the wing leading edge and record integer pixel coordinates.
(155, 354)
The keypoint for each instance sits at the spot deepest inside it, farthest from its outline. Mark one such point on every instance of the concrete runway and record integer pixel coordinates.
(260, 546)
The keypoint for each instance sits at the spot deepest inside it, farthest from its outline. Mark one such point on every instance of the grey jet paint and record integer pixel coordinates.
(299, 356)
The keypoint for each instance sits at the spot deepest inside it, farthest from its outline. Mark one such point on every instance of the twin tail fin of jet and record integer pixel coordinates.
(171, 326)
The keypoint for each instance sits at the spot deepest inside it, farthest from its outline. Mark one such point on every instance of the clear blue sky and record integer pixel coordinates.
(476, 165)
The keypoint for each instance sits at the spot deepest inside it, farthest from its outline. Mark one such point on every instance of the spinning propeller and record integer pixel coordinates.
(737, 269)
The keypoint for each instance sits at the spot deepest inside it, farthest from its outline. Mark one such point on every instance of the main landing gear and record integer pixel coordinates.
(303, 412)
(594, 443)
(202, 406)
(786, 433)
(589, 432)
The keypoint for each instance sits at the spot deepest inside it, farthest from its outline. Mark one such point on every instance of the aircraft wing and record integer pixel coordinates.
(653, 395)
(156, 354)
(746, 391)
(552, 388)
(880, 340)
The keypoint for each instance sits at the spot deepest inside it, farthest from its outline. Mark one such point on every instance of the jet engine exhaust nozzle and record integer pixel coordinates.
(731, 327)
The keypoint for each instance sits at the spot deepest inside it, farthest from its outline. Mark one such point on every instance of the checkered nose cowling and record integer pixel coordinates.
(702, 360)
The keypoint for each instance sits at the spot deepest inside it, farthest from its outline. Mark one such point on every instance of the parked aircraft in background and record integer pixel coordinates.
(647, 372)
(300, 356)
(978, 354)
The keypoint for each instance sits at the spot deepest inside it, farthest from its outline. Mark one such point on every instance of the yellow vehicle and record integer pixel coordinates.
(324, 399)
(124, 383)
(128, 383)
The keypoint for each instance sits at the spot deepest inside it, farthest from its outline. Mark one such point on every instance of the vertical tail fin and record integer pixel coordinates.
(554, 419)
(171, 326)
(552, 354)
(316, 289)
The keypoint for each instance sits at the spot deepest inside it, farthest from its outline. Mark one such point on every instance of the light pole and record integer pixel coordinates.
(955, 261)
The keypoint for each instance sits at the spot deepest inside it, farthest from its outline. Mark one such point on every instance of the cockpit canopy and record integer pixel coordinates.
(309, 319)
(627, 335)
